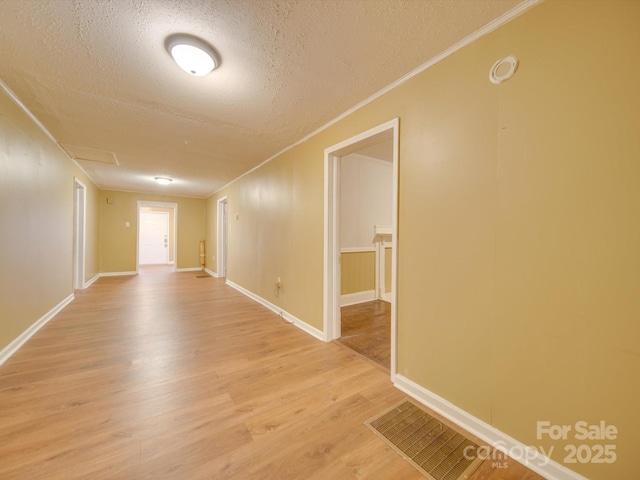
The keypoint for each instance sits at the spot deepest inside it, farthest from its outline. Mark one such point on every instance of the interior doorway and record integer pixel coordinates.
(223, 235)
(374, 254)
(79, 229)
(153, 238)
(157, 239)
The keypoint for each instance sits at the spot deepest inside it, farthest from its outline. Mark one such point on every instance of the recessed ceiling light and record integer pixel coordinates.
(163, 180)
(192, 54)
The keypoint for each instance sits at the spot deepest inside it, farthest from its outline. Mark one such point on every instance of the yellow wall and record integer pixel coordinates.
(519, 226)
(118, 243)
(277, 233)
(357, 272)
(36, 222)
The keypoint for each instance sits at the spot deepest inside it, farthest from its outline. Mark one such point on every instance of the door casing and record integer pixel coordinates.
(331, 287)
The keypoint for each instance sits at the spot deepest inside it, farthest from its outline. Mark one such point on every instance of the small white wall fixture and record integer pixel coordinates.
(331, 297)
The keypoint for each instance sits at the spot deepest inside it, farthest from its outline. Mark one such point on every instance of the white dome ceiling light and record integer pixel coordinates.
(163, 180)
(192, 54)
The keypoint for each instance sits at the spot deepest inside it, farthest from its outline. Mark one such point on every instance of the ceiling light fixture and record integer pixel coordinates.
(192, 54)
(163, 180)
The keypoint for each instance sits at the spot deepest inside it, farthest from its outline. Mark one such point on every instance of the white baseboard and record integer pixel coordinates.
(533, 460)
(13, 347)
(358, 297)
(211, 272)
(90, 282)
(190, 269)
(286, 315)
(117, 274)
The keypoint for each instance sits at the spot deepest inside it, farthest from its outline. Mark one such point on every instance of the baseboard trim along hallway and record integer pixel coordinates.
(537, 462)
(163, 375)
(284, 314)
(15, 345)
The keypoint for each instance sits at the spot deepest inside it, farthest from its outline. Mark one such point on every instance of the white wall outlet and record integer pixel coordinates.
(127, 224)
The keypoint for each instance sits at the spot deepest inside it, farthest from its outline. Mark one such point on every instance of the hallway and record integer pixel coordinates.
(165, 375)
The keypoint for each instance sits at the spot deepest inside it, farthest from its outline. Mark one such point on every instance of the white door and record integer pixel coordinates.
(154, 238)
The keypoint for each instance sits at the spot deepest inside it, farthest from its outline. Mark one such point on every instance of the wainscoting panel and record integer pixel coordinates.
(358, 271)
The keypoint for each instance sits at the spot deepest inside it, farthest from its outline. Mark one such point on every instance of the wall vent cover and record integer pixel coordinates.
(433, 448)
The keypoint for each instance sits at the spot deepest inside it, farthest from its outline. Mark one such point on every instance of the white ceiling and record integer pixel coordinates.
(96, 74)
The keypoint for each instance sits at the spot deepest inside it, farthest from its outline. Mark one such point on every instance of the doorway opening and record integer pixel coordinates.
(360, 241)
(153, 238)
(157, 239)
(79, 233)
(223, 227)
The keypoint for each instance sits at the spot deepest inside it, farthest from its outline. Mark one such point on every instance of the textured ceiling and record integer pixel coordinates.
(96, 74)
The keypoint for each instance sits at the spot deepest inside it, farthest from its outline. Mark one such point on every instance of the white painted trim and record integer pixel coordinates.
(79, 232)
(367, 158)
(358, 297)
(92, 280)
(381, 260)
(394, 251)
(539, 463)
(222, 235)
(42, 128)
(357, 249)
(211, 272)
(117, 274)
(382, 230)
(21, 339)
(313, 331)
(189, 269)
(488, 28)
(331, 284)
(331, 320)
(378, 271)
(142, 192)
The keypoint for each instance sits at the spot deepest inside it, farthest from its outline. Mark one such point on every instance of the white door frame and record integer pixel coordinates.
(381, 247)
(172, 206)
(79, 233)
(331, 311)
(222, 236)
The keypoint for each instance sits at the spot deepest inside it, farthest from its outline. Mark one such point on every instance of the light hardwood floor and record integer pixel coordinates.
(366, 329)
(167, 376)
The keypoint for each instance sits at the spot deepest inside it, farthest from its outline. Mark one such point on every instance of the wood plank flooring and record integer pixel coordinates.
(366, 329)
(166, 376)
